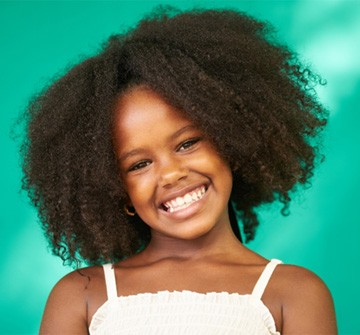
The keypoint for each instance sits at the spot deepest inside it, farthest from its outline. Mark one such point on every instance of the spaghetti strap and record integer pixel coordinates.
(110, 281)
(264, 278)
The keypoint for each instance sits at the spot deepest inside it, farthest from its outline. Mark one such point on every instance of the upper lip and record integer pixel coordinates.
(180, 192)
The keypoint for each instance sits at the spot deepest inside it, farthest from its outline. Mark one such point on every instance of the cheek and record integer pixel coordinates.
(216, 168)
(222, 173)
(219, 166)
(138, 189)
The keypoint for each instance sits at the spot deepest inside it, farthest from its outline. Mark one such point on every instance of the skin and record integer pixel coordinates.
(163, 155)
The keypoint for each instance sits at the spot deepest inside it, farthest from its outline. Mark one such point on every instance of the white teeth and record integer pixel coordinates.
(185, 201)
(188, 198)
(180, 201)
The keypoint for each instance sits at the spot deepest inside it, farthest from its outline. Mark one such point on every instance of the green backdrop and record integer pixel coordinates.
(39, 39)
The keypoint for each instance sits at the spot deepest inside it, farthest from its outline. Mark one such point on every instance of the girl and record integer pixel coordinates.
(143, 157)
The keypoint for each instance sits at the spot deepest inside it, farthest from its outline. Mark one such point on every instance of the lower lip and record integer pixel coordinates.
(189, 211)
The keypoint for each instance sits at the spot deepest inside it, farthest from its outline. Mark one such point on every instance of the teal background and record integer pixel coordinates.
(39, 39)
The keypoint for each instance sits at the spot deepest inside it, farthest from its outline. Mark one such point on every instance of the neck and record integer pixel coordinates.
(213, 243)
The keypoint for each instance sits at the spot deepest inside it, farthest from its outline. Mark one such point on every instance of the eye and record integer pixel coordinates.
(186, 145)
(139, 165)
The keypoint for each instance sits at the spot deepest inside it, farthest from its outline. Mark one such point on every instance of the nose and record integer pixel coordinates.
(171, 171)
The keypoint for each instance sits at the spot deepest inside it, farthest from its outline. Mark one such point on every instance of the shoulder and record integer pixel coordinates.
(290, 277)
(67, 306)
(307, 303)
(78, 281)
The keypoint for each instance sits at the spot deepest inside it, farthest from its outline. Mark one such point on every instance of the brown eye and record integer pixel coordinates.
(188, 144)
(139, 165)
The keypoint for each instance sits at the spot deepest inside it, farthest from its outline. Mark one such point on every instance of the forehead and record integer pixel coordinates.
(142, 113)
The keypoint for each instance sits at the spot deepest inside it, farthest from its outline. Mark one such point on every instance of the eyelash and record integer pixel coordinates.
(184, 146)
(139, 165)
(188, 144)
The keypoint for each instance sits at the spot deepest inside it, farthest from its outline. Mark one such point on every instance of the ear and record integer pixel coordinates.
(129, 210)
(128, 207)
(127, 200)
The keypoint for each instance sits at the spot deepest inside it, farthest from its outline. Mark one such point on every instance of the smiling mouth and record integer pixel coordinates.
(185, 201)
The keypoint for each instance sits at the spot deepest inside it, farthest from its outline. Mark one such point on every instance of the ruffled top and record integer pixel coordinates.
(187, 312)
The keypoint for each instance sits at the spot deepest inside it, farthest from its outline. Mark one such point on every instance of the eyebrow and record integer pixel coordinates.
(182, 130)
(138, 151)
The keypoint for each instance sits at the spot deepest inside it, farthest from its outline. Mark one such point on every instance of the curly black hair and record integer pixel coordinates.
(224, 70)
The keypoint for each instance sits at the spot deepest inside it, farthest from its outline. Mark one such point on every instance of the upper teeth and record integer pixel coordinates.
(186, 200)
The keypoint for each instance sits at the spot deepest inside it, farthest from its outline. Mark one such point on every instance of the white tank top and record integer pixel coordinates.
(184, 312)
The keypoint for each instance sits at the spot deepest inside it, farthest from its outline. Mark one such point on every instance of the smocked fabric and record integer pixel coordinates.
(186, 312)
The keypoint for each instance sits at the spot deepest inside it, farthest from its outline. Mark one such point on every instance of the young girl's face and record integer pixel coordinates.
(176, 181)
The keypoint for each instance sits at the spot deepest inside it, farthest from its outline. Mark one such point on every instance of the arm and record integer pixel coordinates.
(308, 307)
(65, 310)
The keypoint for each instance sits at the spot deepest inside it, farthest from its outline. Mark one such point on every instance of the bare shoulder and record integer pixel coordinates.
(77, 278)
(307, 303)
(66, 308)
(77, 281)
(297, 282)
